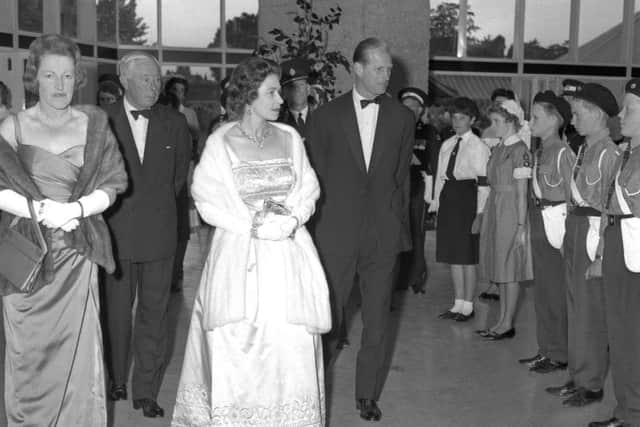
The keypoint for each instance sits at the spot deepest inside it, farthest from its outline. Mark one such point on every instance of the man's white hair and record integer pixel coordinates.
(125, 62)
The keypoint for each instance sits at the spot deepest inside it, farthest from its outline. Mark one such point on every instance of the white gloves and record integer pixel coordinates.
(54, 214)
(276, 227)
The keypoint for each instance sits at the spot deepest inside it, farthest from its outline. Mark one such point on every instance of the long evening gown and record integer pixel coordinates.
(262, 372)
(54, 373)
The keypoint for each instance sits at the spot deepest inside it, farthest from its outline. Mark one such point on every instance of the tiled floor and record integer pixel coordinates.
(442, 374)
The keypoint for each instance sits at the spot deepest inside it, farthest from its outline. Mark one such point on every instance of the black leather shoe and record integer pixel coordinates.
(463, 317)
(447, 315)
(484, 332)
(118, 392)
(546, 365)
(368, 409)
(529, 360)
(564, 390)
(583, 397)
(150, 407)
(611, 422)
(494, 336)
(342, 343)
(489, 296)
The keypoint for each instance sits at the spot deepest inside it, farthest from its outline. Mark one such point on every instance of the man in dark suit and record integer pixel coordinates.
(154, 140)
(360, 145)
(295, 92)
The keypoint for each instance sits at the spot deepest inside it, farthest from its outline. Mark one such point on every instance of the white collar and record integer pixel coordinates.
(464, 136)
(127, 106)
(511, 140)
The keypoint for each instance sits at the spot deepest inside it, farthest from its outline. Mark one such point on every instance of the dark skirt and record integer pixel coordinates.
(458, 205)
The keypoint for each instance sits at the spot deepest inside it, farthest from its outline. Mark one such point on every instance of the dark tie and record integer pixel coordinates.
(144, 113)
(300, 121)
(452, 160)
(365, 102)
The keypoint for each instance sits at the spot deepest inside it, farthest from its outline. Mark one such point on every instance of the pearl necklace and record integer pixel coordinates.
(260, 136)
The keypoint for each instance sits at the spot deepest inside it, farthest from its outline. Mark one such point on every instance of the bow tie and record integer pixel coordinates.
(144, 113)
(365, 102)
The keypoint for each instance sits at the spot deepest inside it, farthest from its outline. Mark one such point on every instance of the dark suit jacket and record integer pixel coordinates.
(288, 118)
(143, 220)
(349, 191)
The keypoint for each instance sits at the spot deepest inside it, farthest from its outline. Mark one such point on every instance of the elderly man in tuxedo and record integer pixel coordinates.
(154, 140)
(360, 145)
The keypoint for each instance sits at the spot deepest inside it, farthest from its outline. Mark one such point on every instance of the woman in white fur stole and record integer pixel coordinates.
(254, 353)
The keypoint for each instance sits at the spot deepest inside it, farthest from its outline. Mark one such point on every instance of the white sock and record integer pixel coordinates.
(467, 308)
(457, 306)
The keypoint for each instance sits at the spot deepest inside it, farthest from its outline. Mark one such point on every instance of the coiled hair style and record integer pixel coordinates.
(51, 44)
(245, 81)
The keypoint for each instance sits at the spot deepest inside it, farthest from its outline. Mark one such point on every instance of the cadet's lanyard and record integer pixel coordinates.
(612, 187)
(576, 168)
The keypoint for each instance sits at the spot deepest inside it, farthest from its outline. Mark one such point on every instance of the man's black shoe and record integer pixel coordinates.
(118, 392)
(583, 397)
(564, 390)
(368, 409)
(150, 408)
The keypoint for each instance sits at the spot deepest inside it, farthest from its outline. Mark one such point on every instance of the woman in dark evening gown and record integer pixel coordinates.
(66, 162)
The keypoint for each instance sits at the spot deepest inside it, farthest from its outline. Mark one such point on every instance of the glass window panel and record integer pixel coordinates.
(69, 18)
(138, 22)
(106, 14)
(444, 27)
(636, 36)
(491, 35)
(600, 32)
(204, 90)
(546, 29)
(195, 26)
(242, 23)
(30, 15)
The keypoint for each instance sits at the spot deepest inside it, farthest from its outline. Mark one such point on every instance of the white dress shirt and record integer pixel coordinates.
(367, 120)
(296, 114)
(138, 128)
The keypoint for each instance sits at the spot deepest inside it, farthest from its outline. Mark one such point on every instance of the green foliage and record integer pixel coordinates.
(309, 41)
(242, 32)
(133, 29)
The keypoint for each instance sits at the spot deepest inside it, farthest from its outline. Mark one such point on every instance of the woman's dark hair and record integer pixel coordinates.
(505, 93)
(169, 99)
(466, 106)
(175, 80)
(245, 81)
(5, 95)
(51, 44)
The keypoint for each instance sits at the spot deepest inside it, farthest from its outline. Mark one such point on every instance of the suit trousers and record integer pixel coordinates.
(374, 273)
(151, 280)
(550, 292)
(588, 354)
(622, 295)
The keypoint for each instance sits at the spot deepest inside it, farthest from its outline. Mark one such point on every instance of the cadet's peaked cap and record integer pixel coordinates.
(559, 103)
(600, 96)
(294, 69)
(415, 93)
(571, 86)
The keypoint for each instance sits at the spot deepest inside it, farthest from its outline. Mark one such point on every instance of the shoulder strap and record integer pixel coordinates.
(16, 129)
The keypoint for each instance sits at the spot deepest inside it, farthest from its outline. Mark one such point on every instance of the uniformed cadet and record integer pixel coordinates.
(295, 92)
(621, 266)
(460, 193)
(569, 88)
(413, 267)
(587, 331)
(549, 190)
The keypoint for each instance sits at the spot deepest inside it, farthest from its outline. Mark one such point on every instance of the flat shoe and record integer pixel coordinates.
(463, 317)
(565, 390)
(494, 336)
(447, 315)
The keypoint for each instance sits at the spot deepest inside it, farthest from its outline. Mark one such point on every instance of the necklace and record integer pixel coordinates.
(260, 136)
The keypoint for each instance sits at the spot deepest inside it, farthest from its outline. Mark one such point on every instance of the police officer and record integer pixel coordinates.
(550, 189)
(413, 266)
(295, 92)
(621, 266)
(591, 106)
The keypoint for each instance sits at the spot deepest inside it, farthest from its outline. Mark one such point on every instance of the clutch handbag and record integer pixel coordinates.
(21, 259)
